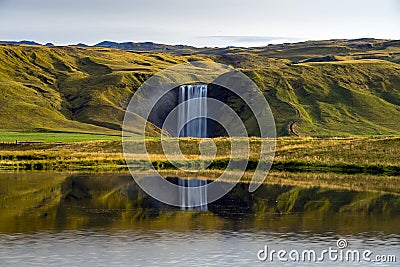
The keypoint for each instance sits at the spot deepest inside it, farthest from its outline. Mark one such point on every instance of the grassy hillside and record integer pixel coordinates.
(328, 88)
(337, 98)
(325, 88)
(71, 89)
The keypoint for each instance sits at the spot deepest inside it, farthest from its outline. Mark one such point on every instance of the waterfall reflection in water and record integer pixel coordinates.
(192, 194)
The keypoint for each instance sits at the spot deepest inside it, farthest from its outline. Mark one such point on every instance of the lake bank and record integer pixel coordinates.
(375, 156)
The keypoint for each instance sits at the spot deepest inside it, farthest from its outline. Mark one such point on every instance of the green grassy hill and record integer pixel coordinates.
(358, 97)
(325, 88)
(328, 88)
(71, 89)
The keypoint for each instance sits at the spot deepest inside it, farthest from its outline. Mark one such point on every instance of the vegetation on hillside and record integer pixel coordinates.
(320, 88)
(71, 89)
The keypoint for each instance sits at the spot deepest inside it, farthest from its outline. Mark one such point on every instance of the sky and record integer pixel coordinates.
(197, 22)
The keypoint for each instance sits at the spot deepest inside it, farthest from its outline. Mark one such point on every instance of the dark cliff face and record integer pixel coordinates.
(238, 105)
(163, 107)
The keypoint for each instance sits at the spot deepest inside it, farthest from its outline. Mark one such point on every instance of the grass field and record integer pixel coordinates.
(345, 155)
(51, 137)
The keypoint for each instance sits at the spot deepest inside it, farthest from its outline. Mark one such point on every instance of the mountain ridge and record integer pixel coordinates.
(152, 46)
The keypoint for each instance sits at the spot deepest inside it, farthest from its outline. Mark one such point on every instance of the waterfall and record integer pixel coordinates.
(192, 192)
(197, 107)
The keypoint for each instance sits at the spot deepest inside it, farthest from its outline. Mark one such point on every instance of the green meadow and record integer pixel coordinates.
(51, 137)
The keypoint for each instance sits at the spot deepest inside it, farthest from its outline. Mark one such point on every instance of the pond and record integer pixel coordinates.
(70, 219)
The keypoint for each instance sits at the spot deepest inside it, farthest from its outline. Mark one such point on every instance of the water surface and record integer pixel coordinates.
(106, 220)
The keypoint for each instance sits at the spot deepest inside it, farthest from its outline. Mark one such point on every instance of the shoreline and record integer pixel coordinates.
(359, 164)
(375, 156)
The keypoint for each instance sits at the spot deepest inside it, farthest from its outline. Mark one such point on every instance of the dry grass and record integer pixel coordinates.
(301, 152)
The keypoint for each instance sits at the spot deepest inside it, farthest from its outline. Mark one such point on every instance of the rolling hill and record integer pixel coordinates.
(315, 88)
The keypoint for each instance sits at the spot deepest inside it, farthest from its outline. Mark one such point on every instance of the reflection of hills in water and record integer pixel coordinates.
(45, 201)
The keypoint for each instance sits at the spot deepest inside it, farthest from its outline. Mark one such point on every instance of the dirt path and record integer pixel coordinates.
(293, 124)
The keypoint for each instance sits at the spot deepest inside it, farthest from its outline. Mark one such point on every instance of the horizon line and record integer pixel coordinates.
(269, 40)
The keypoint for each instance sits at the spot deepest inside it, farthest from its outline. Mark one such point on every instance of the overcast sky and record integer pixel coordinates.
(197, 22)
